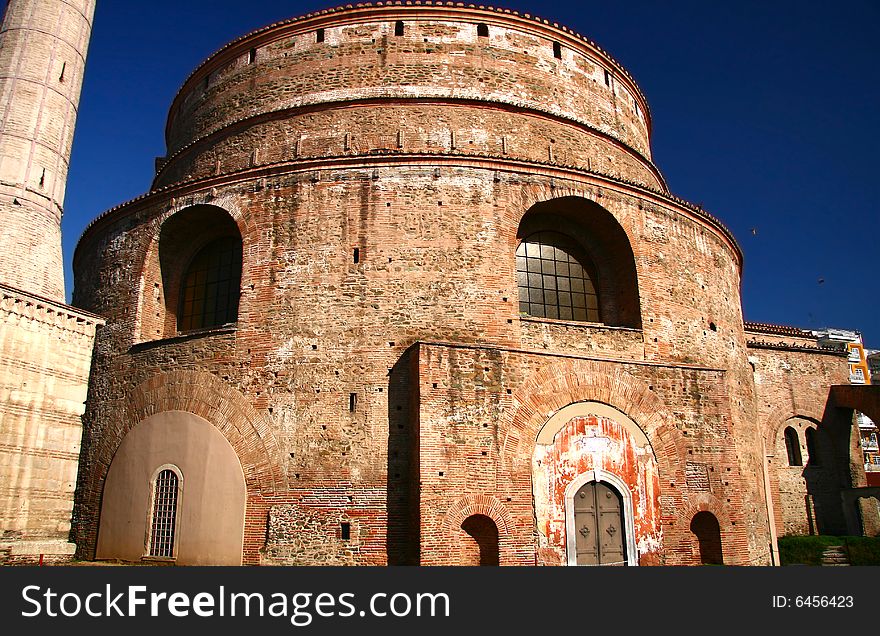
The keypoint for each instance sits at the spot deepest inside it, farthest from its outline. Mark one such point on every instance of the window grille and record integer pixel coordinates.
(210, 290)
(164, 517)
(554, 280)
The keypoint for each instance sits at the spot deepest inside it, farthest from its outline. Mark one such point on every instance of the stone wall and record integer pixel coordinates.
(46, 352)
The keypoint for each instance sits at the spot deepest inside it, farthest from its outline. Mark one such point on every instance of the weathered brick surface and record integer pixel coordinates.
(347, 386)
(792, 377)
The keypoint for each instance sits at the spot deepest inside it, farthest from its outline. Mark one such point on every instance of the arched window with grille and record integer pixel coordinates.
(574, 262)
(210, 288)
(163, 513)
(555, 278)
(793, 447)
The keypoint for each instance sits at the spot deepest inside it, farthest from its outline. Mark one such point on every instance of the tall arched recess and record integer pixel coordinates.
(206, 525)
(200, 256)
(568, 244)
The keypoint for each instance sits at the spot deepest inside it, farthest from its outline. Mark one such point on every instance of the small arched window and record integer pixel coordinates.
(210, 290)
(812, 451)
(483, 537)
(163, 517)
(793, 447)
(555, 278)
(705, 527)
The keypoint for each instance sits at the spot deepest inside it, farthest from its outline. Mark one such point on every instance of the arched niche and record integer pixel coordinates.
(210, 519)
(602, 246)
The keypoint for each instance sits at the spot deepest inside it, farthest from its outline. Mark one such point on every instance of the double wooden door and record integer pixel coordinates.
(599, 528)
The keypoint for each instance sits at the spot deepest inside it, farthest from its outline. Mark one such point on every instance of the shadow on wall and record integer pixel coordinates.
(402, 528)
(827, 472)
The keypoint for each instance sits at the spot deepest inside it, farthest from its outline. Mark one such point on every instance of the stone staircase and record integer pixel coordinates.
(835, 555)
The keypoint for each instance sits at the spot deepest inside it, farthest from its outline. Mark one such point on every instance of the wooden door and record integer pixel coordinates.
(598, 521)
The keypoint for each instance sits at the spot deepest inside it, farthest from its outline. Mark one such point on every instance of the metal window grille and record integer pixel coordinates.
(164, 515)
(209, 295)
(553, 279)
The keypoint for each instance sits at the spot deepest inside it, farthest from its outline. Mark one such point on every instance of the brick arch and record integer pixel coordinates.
(807, 407)
(148, 266)
(486, 505)
(469, 505)
(704, 502)
(607, 248)
(528, 197)
(248, 431)
(569, 381)
(707, 502)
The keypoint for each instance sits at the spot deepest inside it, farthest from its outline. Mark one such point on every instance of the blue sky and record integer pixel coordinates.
(765, 113)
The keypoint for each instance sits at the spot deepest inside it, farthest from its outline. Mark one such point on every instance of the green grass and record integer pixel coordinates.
(808, 550)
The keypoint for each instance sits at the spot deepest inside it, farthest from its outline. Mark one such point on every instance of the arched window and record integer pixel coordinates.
(793, 447)
(555, 278)
(210, 289)
(812, 452)
(705, 526)
(163, 517)
(483, 549)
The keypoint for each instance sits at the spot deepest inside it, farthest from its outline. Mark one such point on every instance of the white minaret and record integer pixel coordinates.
(43, 45)
(45, 345)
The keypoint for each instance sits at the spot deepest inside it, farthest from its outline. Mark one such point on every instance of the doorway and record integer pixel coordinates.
(600, 535)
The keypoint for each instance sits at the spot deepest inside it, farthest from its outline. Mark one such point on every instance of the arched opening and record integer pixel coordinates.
(793, 447)
(705, 527)
(569, 241)
(200, 258)
(481, 544)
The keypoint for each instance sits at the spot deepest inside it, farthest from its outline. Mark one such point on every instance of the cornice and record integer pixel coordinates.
(793, 346)
(779, 330)
(29, 306)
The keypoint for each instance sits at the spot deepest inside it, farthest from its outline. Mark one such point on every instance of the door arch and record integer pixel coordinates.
(481, 541)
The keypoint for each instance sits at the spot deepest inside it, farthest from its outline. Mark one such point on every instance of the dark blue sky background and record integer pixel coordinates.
(765, 113)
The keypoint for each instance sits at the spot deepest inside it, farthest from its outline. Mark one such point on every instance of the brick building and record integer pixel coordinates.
(409, 288)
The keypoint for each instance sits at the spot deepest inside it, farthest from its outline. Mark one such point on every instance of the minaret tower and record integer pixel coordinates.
(45, 345)
(43, 46)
